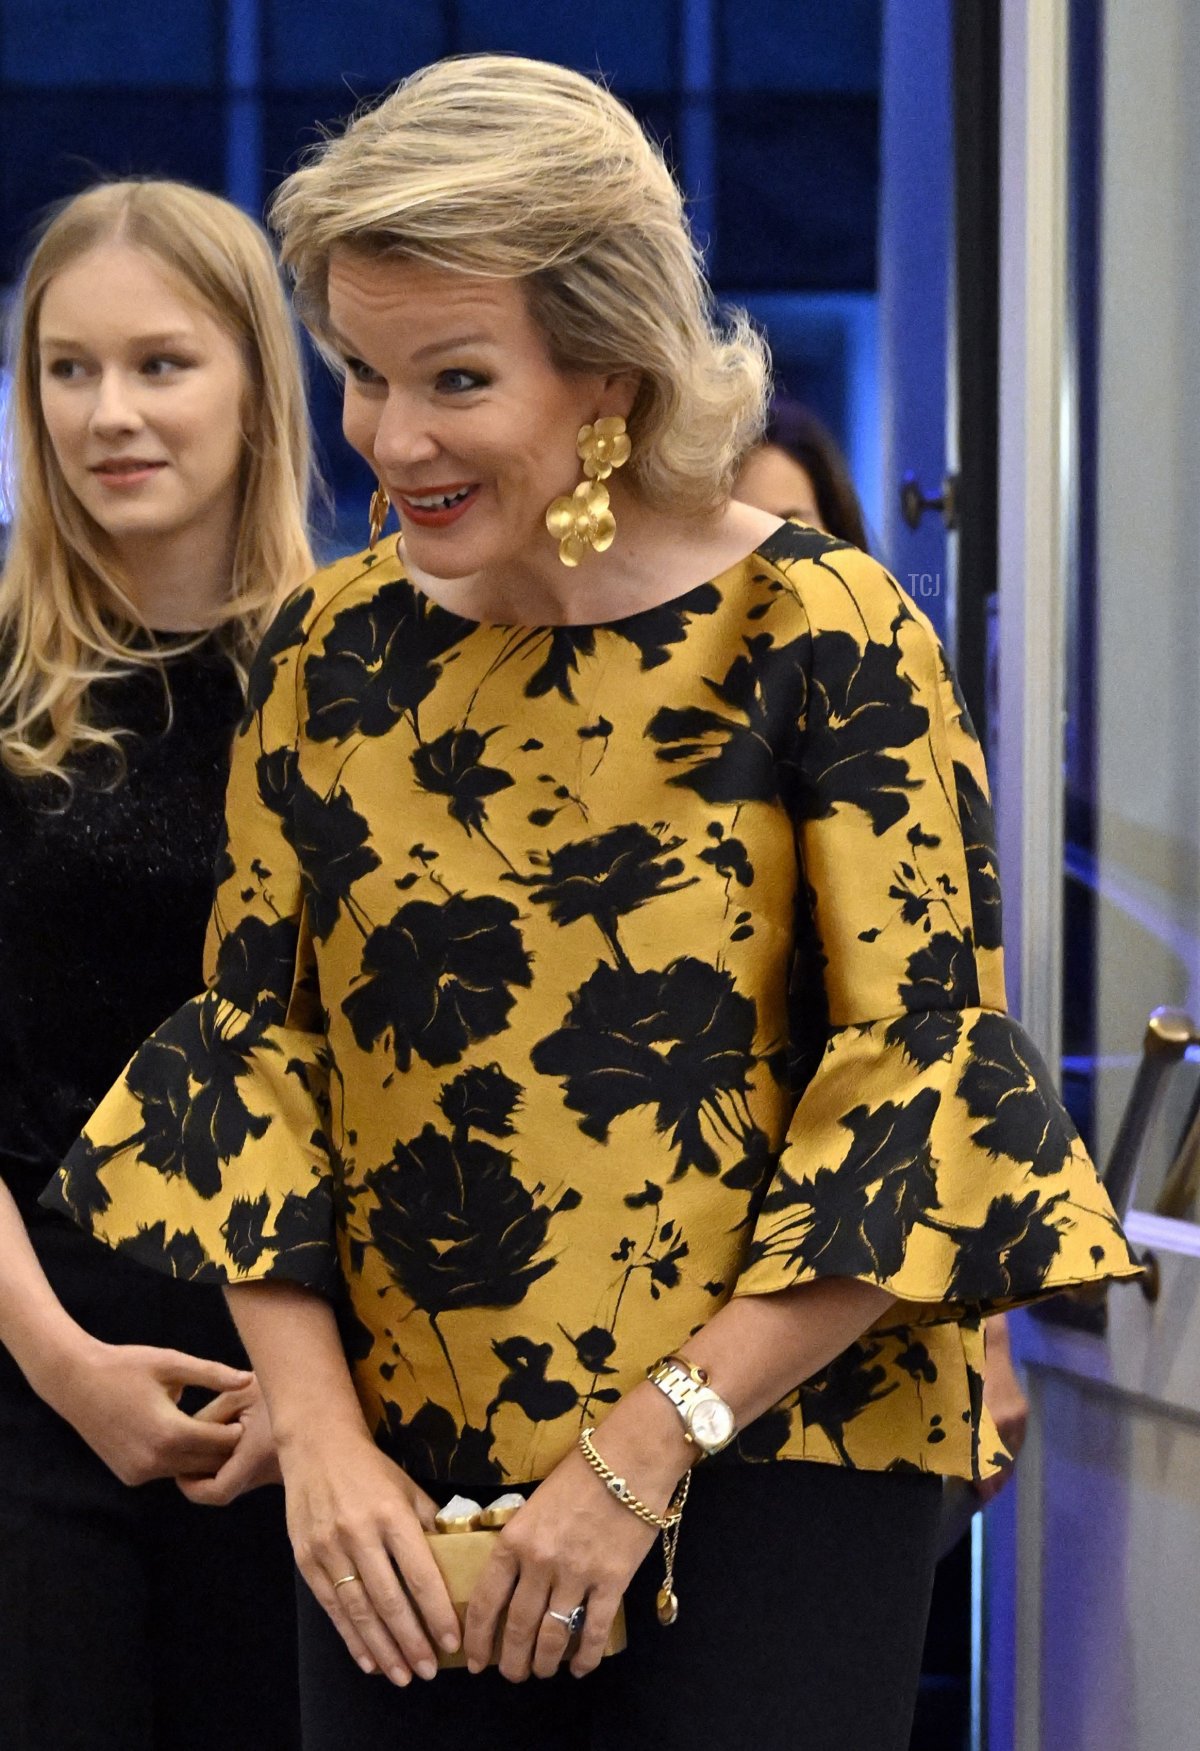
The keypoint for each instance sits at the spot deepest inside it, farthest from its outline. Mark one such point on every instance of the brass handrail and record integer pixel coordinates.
(1169, 1033)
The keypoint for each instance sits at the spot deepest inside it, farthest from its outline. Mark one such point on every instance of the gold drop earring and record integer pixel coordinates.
(381, 504)
(583, 519)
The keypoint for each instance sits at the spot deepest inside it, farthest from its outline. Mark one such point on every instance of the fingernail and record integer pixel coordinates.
(474, 1666)
(451, 1643)
(427, 1668)
(399, 1675)
(368, 1665)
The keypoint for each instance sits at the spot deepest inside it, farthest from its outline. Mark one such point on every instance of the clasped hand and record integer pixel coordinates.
(356, 1518)
(124, 1401)
(253, 1461)
(571, 1544)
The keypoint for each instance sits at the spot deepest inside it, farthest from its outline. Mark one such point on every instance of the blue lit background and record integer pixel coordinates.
(768, 110)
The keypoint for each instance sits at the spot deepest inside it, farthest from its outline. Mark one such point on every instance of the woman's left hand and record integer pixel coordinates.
(574, 1544)
(1005, 1400)
(253, 1461)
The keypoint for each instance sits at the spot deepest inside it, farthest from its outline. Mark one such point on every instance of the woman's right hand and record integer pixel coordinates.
(123, 1400)
(351, 1511)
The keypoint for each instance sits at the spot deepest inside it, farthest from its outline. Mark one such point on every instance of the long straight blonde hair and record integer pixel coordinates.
(67, 616)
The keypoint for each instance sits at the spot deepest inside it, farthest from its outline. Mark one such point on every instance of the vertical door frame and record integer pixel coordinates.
(973, 360)
(1036, 439)
(1036, 452)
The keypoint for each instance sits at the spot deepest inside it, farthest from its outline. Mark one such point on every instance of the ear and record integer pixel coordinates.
(619, 394)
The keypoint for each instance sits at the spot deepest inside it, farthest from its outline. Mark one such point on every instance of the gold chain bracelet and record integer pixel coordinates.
(667, 1604)
(621, 1490)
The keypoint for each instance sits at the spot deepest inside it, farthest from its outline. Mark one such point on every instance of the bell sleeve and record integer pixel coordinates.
(929, 1152)
(210, 1158)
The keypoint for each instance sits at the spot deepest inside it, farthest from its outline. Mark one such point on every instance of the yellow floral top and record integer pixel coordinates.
(566, 981)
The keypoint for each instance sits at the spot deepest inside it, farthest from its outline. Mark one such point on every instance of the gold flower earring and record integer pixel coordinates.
(381, 504)
(583, 519)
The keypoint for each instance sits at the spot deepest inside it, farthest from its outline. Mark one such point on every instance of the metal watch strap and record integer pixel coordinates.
(684, 1383)
(670, 1379)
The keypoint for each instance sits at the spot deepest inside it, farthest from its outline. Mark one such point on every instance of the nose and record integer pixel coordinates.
(405, 435)
(114, 412)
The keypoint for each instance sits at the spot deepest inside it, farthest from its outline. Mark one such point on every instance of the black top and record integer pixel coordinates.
(104, 902)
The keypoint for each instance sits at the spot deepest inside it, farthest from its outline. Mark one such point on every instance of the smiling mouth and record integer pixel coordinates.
(438, 509)
(436, 501)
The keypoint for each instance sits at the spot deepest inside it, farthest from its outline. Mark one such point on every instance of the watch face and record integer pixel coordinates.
(712, 1422)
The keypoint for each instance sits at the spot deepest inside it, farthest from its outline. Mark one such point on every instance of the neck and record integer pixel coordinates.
(179, 580)
(654, 558)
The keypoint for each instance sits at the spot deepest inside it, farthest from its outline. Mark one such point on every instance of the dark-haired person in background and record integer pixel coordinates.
(798, 471)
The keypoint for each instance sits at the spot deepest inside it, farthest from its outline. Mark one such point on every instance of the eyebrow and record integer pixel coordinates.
(437, 346)
(167, 337)
(452, 345)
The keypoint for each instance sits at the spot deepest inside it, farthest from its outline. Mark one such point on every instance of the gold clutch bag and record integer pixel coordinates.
(461, 1549)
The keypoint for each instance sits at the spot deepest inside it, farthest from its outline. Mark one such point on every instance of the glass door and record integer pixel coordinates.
(1100, 780)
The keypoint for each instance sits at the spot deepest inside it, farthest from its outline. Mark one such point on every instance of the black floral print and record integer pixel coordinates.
(327, 834)
(833, 1399)
(453, 766)
(433, 1445)
(81, 1190)
(174, 1252)
(979, 834)
(186, 1080)
(677, 1040)
(244, 1230)
(860, 709)
(1007, 1084)
(859, 1227)
(651, 633)
(608, 876)
(255, 966)
(381, 659)
(285, 632)
(564, 982)
(735, 758)
(438, 977)
(456, 1225)
(525, 1382)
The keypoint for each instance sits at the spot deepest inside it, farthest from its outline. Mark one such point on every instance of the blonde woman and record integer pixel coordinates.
(160, 477)
(606, 1018)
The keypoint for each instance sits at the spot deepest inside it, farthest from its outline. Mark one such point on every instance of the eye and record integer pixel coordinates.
(362, 373)
(65, 370)
(164, 365)
(460, 382)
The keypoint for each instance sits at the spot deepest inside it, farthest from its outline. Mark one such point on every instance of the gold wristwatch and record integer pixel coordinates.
(708, 1422)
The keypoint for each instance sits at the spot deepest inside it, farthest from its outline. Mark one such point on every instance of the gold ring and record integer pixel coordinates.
(346, 1580)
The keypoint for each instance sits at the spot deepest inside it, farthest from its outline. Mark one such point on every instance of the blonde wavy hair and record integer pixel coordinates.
(67, 617)
(518, 169)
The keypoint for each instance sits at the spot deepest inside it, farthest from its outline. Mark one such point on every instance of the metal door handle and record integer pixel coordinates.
(914, 503)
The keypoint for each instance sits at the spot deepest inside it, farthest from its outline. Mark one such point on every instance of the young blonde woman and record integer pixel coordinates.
(160, 468)
(606, 1018)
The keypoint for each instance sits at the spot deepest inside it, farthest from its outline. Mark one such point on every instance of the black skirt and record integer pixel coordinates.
(803, 1594)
